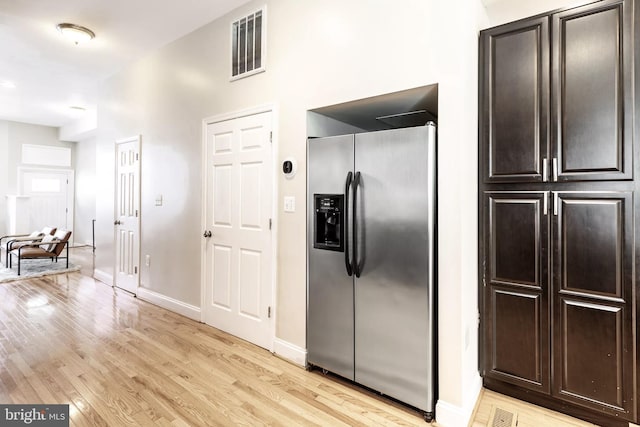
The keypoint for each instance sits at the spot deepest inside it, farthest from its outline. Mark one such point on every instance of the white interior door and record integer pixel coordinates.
(127, 214)
(238, 284)
(51, 197)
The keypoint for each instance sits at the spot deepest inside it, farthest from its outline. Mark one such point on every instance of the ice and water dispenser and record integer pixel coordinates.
(329, 222)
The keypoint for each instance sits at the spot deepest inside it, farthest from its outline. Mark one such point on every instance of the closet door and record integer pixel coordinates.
(593, 301)
(592, 93)
(515, 281)
(514, 87)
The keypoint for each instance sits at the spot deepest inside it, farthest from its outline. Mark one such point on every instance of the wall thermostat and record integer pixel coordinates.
(289, 167)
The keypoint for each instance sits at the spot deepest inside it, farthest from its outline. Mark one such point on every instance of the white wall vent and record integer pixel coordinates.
(248, 41)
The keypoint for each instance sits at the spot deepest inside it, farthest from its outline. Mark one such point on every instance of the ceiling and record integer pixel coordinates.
(51, 74)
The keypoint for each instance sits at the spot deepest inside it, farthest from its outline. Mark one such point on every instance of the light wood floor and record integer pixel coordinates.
(119, 361)
(528, 415)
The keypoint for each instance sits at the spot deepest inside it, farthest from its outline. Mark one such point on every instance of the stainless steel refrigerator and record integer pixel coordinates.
(371, 260)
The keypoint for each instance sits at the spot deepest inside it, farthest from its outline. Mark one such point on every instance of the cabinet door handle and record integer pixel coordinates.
(555, 203)
(545, 203)
(555, 168)
(545, 170)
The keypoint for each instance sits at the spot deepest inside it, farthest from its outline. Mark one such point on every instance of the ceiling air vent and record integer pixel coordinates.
(248, 44)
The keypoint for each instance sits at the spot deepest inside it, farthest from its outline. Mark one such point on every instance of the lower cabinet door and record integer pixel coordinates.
(515, 275)
(592, 300)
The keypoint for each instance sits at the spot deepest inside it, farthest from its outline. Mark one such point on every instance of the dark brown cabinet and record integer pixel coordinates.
(514, 101)
(593, 300)
(578, 128)
(558, 208)
(517, 289)
(591, 74)
(558, 292)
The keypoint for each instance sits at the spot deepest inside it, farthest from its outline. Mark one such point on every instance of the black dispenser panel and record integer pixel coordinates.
(329, 222)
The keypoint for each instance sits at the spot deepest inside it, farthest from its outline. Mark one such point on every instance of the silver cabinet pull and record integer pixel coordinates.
(545, 203)
(555, 203)
(555, 168)
(545, 170)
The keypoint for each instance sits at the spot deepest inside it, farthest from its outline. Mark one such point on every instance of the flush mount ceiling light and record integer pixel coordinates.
(75, 33)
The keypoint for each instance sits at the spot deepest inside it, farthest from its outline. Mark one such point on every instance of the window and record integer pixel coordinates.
(45, 185)
(248, 45)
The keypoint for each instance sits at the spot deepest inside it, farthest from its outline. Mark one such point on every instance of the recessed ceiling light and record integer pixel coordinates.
(78, 108)
(75, 33)
(8, 85)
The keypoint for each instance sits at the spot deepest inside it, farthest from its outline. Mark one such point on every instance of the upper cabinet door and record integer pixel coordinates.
(514, 101)
(591, 108)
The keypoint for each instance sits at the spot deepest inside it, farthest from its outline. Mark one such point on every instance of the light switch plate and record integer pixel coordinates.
(289, 204)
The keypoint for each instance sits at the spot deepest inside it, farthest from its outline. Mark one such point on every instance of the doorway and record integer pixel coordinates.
(127, 215)
(51, 197)
(237, 220)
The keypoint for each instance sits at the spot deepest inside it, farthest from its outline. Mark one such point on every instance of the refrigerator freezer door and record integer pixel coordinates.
(330, 288)
(393, 295)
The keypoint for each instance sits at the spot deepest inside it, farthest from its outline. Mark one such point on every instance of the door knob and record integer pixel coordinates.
(207, 233)
(116, 222)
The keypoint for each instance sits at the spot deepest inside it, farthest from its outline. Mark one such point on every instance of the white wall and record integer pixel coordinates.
(319, 53)
(503, 11)
(85, 207)
(82, 128)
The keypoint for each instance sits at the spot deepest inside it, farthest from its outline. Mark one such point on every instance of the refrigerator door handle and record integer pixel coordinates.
(356, 264)
(347, 187)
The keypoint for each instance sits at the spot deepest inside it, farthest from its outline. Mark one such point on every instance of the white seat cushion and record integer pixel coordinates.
(49, 239)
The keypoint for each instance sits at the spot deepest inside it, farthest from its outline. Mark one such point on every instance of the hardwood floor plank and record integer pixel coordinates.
(111, 410)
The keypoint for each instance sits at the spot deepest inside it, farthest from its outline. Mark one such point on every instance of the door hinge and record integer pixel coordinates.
(271, 137)
(269, 312)
(136, 213)
(135, 270)
(136, 156)
(270, 223)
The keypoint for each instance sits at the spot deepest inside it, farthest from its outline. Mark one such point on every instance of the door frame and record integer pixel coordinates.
(264, 108)
(71, 202)
(138, 188)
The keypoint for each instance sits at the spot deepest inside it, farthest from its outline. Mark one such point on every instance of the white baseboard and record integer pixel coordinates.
(449, 415)
(291, 352)
(187, 310)
(103, 277)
